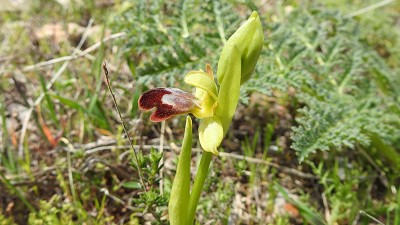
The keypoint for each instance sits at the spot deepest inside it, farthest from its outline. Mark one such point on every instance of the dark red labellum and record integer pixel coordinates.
(168, 103)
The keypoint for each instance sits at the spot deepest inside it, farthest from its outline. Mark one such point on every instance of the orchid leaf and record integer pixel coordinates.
(180, 192)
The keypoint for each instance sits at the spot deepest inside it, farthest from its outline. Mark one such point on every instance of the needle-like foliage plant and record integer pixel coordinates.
(345, 94)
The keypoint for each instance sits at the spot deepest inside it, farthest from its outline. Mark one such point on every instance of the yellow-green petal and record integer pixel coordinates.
(211, 134)
(203, 81)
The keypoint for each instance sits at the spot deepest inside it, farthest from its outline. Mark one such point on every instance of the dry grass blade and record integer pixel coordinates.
(369, 8)
(104, 66)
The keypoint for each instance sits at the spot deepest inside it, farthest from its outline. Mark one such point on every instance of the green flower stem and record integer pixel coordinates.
(198, 184)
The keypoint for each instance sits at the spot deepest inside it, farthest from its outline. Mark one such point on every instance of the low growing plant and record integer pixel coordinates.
(214, 104)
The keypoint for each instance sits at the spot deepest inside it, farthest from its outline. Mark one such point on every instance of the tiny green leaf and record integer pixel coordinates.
(132, 185)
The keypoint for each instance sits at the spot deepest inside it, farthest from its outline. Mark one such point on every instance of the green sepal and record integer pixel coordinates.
(229, 91)
(180, 192)
(247, 41)
(211, 134)
(235, 66)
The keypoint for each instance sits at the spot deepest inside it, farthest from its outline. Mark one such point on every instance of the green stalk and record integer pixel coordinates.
(180, 192)
(198, 184)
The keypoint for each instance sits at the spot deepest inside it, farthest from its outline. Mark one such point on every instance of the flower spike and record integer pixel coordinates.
(168, 102)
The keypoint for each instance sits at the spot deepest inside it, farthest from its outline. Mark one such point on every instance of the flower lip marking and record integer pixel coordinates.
(168, 103)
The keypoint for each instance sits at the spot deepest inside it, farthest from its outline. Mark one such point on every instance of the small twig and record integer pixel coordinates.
(369, 8)
(48, 86)
(283, 169)
(116, 199)
(371, 217)
(161, 150)
(326, 206)
(22, 176)
(123, 125)
(69, 166)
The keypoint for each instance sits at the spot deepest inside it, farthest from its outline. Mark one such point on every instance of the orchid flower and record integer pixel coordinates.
(215, 108)
(172, 101)
(213, 104)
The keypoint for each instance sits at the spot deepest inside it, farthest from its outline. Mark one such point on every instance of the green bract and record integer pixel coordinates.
(246, 43)
(235, 66)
